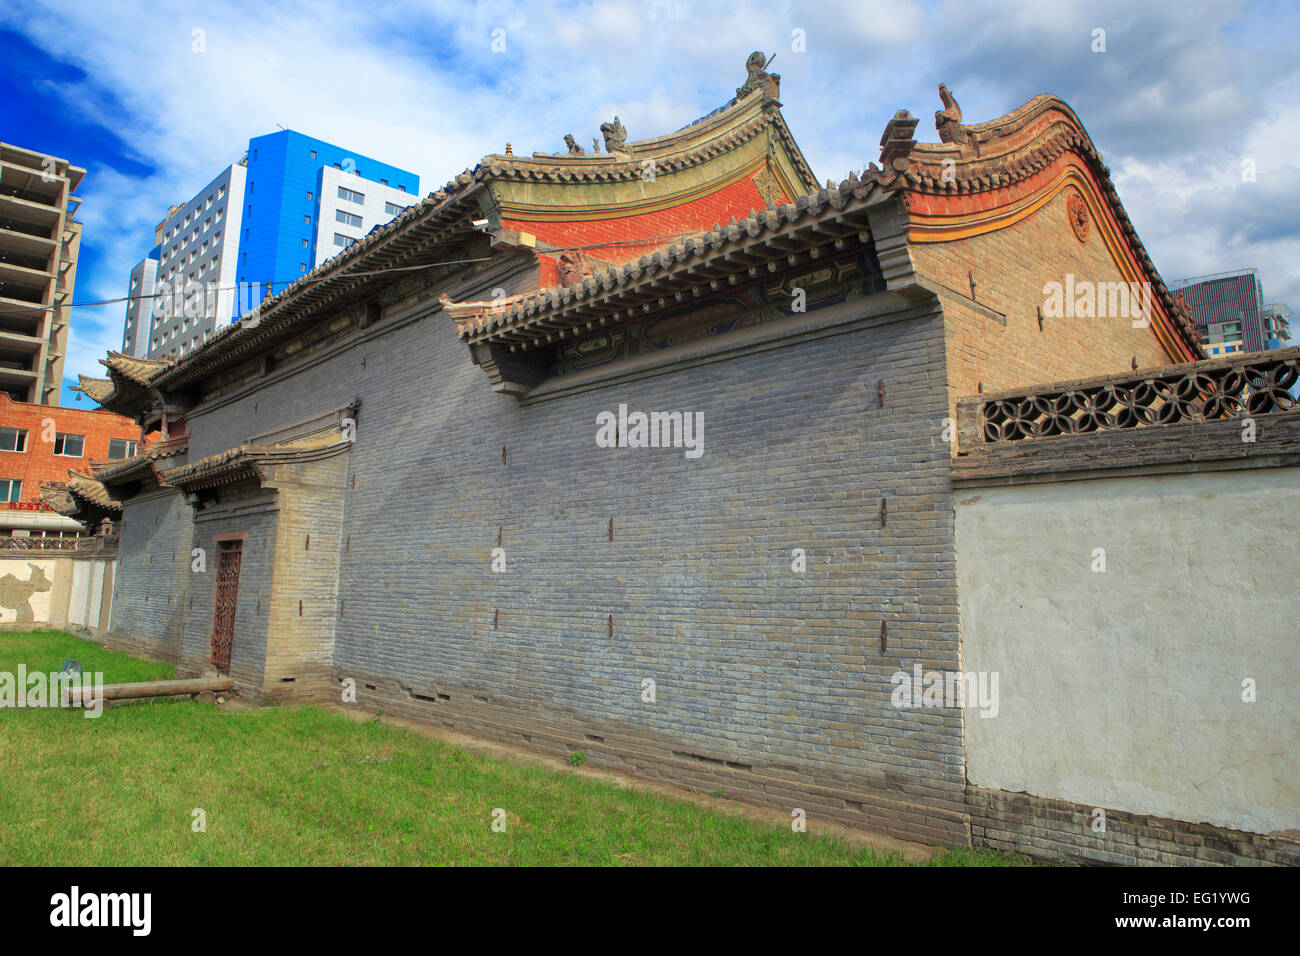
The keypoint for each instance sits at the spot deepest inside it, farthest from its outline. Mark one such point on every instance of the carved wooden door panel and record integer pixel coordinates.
(223, 623)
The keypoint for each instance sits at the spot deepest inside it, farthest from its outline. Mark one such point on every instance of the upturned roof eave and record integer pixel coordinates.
(88, 489)
(54, 495)
(483, 322)
(243, 461)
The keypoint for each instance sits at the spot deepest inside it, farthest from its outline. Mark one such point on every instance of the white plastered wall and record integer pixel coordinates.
(1123, 689)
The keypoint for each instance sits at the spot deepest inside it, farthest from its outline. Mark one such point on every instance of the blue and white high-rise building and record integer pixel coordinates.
(263, 223)
(305, 201)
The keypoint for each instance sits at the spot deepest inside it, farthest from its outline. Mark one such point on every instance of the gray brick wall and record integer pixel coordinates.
(151, 588)
(257, 518)
(753, 663)
(311, 544)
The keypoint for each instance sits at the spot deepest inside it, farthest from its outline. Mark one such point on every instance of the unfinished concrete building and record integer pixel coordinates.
(39, 245)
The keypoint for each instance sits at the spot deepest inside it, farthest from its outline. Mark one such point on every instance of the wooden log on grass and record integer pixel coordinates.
(153, 688)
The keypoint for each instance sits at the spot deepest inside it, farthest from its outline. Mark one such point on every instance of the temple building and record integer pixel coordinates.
(671, 454)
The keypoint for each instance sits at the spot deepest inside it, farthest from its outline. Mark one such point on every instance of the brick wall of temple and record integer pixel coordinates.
(152, 586)
(312, 544)
(996, 340)
(769, 683)
(254, 518)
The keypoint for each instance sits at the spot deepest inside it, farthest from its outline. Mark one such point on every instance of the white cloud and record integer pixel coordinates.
(415, 83)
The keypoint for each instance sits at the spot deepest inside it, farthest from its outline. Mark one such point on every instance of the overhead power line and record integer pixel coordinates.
(376, 272)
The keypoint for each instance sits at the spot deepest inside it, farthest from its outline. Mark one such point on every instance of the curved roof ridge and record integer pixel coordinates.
(484, 319)
(97, 389)
(982, 157)
(90, 489)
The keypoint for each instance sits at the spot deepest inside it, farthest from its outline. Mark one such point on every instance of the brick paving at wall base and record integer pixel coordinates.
(885, 803)
(1061, 830)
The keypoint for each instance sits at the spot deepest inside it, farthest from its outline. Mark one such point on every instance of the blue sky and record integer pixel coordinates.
(1183, 93)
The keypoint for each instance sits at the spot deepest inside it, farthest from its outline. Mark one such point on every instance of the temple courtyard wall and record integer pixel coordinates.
(57, 589)
(711, 621)
(153, 583)
(737, 621)
(1134, 593)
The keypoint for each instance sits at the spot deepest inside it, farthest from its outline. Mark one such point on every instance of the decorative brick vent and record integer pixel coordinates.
(104, 545)
(1217, 390)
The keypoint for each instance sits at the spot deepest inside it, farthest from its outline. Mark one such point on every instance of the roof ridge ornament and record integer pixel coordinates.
(948, 121)
(896, 143)
(615, 137)
(759, 79)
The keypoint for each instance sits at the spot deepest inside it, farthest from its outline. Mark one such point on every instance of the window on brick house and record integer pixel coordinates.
(11, 489)
(13, 439)
(121, 448)
(69, 446)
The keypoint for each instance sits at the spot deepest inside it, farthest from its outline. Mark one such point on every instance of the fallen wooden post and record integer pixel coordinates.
(153, 688)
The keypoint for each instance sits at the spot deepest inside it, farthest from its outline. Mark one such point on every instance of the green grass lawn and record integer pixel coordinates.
(288, 786)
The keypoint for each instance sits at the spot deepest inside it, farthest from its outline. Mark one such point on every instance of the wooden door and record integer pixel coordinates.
(223, 622)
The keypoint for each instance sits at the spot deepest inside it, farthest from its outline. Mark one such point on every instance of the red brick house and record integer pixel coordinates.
(41, 445)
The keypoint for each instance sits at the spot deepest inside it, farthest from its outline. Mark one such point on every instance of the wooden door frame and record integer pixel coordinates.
(218, 540)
